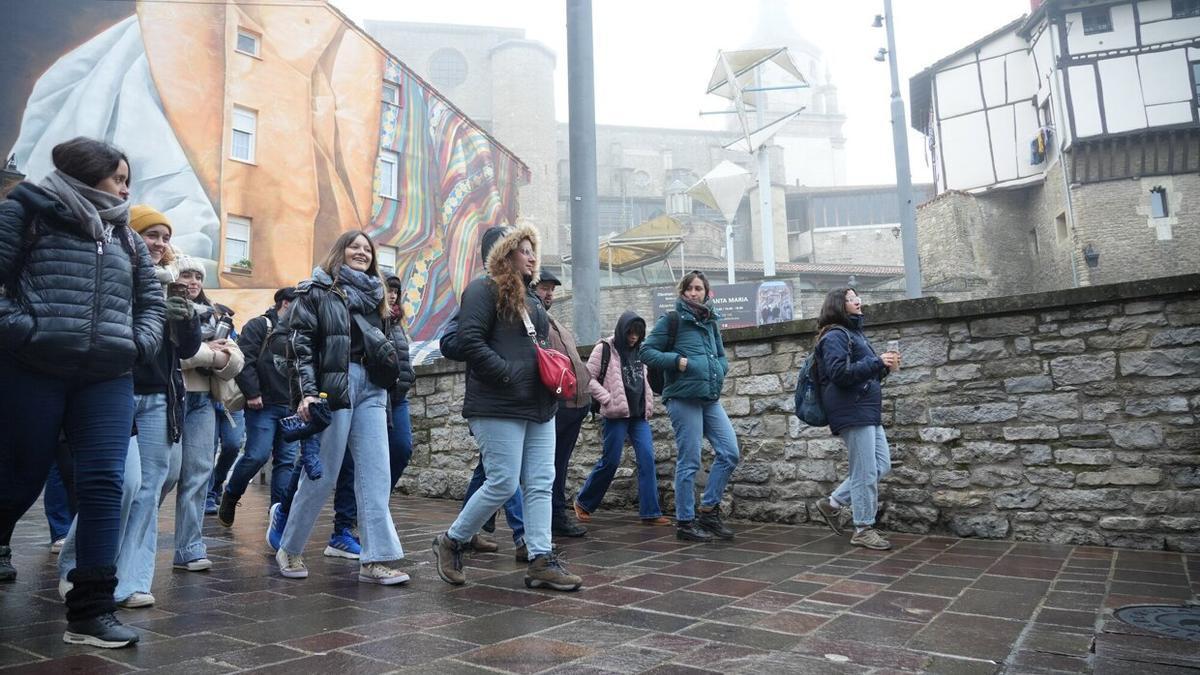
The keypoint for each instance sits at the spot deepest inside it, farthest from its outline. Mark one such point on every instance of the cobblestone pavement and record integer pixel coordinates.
(781, 599)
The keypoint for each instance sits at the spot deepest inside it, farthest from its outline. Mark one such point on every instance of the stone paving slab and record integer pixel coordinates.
(779, 599)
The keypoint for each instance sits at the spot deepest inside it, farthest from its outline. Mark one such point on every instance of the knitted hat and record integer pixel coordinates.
(186, 263)
(143, 217)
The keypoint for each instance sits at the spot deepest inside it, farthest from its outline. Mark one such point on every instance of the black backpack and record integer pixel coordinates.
(657, 376)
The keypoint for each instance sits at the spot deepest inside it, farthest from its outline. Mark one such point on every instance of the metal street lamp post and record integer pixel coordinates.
(908, 218)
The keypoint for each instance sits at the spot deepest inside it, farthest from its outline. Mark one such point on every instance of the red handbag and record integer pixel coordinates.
(555, 368)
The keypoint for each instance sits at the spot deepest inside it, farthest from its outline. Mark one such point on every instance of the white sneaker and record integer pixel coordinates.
(381, 573)
(291, 566)
(197, 565)
(136, 600)
(64, 587)
(57, 546)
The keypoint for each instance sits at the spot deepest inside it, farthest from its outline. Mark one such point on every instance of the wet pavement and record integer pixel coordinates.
(780, 599)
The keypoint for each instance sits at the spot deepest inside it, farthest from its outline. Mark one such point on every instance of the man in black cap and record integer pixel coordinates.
(570, 414)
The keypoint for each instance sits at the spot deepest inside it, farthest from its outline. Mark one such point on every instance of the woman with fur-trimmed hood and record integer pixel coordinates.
(507, 408)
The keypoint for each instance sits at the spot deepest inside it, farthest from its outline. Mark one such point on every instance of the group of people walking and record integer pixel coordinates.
(107, 338)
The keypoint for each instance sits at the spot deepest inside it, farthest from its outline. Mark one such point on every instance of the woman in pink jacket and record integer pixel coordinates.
(626, 403)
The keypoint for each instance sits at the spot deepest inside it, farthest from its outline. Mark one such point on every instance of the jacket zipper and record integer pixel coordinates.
(96, 292)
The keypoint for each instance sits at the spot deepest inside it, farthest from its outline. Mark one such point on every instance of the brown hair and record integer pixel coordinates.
(333, 261)
(692, 276)
(833, 310)
(510, 286)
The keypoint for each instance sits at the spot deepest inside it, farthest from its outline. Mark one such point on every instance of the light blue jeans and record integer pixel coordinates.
(515, 453)
(870, 460)
(363, 426)
(190, 470)
(130, 486)
(693, 420)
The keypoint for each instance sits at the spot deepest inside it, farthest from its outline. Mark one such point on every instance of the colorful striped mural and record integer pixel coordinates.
(454, 184)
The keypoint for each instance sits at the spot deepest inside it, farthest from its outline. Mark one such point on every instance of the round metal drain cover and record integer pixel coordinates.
(1178, 621)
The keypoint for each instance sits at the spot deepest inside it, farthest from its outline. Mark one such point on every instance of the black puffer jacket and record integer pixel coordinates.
(318, 343)
(502, 371)
(260, 377)
(76, 311)
(162, 374)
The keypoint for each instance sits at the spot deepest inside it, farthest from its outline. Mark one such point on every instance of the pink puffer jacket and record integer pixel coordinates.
(611, 392)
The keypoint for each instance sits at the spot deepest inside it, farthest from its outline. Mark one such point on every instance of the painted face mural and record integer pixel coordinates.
(257, 130)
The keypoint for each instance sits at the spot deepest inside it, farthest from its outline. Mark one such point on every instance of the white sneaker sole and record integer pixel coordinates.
(331, 552)
(538, 583)
(194, 566)
(384, 581)
(91, 640)
(146, 600)
(294, 574)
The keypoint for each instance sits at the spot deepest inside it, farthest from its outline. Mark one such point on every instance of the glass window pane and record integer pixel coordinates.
(391, 94)
(241, 146)
(247, 43)
(236, 251)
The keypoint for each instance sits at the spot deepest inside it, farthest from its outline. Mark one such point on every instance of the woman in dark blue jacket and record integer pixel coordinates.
(849, 374)
(694, 373)
(81, 307)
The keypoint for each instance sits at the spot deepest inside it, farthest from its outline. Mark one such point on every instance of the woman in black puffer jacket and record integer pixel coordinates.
(81, 307)
(400, 430)
(510, 412)
(334, 326)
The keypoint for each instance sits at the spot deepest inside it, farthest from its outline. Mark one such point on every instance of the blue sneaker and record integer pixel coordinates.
(343, 544)
(278, 519)
(210, 504)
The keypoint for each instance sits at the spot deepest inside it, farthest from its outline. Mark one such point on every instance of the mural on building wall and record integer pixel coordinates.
(168, 82)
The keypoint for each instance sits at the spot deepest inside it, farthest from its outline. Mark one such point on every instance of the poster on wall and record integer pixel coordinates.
(740, 305)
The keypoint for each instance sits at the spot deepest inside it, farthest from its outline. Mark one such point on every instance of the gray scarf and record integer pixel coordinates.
(97, 211)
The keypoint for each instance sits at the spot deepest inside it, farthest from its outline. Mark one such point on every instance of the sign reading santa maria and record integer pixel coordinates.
(739, 305)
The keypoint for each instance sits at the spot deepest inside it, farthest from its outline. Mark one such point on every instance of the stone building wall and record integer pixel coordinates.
(1066, 417)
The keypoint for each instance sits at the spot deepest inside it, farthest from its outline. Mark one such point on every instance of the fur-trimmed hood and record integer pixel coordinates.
(504, 240)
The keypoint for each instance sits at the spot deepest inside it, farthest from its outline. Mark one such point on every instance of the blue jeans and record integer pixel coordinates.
(615, 433)
(191, 469)
(360, 430)
(515, 453)
(97, 418)
(146, 468)
(512, 508)
(229, 441)
(567, 423)
(130, 486)
(870, 460)
(57, 504)
(400, 440)
(264, 441)
(692, 420)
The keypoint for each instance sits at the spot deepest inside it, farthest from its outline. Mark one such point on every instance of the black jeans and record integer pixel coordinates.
(567, 424)
(97, 418)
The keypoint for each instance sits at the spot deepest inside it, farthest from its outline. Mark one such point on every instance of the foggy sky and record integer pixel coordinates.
(654, 57)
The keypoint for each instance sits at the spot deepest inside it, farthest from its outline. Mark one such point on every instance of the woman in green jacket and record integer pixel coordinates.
(694, 368)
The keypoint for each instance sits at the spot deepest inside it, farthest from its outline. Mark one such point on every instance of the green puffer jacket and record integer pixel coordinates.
(701, 343)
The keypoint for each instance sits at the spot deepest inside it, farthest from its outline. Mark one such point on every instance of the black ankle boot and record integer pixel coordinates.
(711, 521)
(563, 524)
(688, 530)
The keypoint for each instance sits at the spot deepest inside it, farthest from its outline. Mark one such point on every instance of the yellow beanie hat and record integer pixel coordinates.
(143, 217)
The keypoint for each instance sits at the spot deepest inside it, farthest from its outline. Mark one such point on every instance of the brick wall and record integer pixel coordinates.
(1065, 417)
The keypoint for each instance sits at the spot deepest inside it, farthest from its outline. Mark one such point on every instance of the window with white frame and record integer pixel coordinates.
(389, 173)
(247, 42)
(237, 241)
(387, 259)
(391, 93)
(245, 125)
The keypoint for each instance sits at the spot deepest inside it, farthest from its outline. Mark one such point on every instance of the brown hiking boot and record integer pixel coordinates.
(448, 554)
(482, 544)
(547, 571)
(825, 512)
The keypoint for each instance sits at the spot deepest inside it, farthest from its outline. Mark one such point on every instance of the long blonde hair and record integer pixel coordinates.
(333, 261)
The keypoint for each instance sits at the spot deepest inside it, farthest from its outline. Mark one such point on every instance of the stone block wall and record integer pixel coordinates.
(1067, 417)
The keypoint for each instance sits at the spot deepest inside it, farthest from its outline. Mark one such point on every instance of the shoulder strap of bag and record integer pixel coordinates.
(605, 357)
(529, 329)
(672, 329)
(262, 348)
